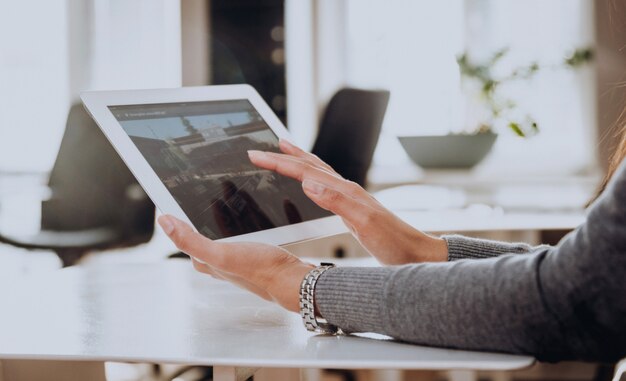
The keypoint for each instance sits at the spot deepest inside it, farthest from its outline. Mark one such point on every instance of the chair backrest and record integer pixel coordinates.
(93, 188)
(349, 131)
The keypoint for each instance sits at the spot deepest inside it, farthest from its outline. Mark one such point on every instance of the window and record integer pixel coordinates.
(34, 93)
(50, 51)
(410, 48)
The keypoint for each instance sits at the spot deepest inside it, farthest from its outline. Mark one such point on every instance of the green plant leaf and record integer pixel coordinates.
(515, 127)
(535, 127)
(490, 84)
(497, 56)
(579, 57)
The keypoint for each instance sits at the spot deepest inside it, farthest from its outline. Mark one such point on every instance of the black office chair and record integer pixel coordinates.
(96, 202)
(349, 131)
(346, 140)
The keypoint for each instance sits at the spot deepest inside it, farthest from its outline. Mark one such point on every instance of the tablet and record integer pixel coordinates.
(187, 147)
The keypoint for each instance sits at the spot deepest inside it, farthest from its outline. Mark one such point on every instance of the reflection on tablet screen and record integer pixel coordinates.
(199, 151)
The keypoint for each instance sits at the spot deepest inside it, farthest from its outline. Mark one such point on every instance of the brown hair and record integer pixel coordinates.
(620, 151)
(616, 159)
(619, 154)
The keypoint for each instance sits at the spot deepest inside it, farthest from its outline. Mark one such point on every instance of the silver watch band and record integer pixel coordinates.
(307, 301)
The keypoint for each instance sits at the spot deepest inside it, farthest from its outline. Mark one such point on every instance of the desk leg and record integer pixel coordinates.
(44, 370)
(231, 373)
(282, 374)
(462, 375)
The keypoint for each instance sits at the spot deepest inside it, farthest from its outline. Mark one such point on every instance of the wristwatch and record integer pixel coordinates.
(307, 302)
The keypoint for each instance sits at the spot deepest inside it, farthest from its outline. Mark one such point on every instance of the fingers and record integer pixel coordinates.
(238, 281)
(223, 257)
(358, 215)
(194, 244)
(252, 266)
(298, 169)
(290, 149)
(344, 198)
(205, 269)
(183, 236)
(287, 165)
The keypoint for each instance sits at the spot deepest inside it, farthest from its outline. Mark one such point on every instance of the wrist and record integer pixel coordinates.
(439, 252)
(430, 248)
(284, 285)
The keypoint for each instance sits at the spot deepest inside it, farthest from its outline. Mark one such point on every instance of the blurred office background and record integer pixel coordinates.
(298, 54)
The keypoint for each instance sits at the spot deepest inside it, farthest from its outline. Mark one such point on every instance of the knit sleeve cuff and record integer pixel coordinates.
(460, 247)
(352, 297)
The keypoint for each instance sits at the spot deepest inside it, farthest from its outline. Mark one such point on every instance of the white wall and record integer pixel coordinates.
(300, 71)
(51, 50)
(315, 44)
(33, 82)
(131, 44)
(195, 40)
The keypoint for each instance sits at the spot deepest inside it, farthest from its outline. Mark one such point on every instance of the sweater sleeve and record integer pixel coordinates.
(460, 247)
(556, 303)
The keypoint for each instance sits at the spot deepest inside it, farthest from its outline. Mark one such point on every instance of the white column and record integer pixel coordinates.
(33, 83)
(300, 71)
(316, 62)
(331, 45)
(125, 44)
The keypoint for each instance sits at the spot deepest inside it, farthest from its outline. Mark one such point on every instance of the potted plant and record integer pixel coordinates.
(495, 112)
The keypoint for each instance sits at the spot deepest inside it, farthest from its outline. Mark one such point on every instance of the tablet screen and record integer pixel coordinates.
(199, 151)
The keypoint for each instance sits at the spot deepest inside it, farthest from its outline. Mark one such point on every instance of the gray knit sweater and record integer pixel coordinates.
(556, 303)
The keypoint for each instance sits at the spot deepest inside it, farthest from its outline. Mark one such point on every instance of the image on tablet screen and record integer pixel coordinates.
(199, 151)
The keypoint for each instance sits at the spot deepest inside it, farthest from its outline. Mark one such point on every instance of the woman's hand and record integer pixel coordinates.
(383, 234)
(268, 271)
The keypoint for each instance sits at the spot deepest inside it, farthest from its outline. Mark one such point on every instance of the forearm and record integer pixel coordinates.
(495, 304)
(467, 304)
(460, 247)
(556, 303)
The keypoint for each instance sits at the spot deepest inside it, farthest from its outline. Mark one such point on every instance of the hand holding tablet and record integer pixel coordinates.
(188, 148)
(275, 274)
(210, 156)
(268, 271)
(384, 235)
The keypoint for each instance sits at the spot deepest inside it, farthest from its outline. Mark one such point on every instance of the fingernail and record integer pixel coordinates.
(167, 224)
(199, 261)
(312, 186)
(287, 142)
(254, 154)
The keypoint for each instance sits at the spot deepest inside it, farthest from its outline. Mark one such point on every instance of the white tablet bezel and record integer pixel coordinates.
(97, 103)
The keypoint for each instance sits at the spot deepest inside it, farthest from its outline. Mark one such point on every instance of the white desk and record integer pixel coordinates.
(167, 313)
(460, 221)
(489, 208)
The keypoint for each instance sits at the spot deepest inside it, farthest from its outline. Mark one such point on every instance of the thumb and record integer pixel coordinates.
(184, 237)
